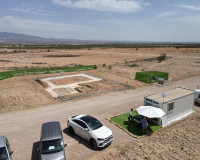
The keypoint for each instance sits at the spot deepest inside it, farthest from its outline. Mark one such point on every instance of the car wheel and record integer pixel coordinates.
(71, 130)
(93, 143)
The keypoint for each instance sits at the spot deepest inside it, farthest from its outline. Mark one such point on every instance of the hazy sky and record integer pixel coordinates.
(134, 20)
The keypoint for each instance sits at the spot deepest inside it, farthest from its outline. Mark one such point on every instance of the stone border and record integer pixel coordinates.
(70, 88)
(99, 93)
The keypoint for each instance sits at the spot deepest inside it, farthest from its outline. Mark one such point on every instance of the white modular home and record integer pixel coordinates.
(177, 103)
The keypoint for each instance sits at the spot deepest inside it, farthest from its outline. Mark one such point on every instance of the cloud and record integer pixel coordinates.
(126, 6)
(34, 11)
(147, 4)
(191, 7)
(164, 15)
(38, 27)
(187, 19)
(20, 10)
(178, 17)
(24, 4)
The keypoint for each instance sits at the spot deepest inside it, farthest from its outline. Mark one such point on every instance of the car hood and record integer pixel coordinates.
(102, 132)
(54, 156)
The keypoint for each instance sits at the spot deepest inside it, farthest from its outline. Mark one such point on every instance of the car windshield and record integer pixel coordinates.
(3, 153)
(52, 146)
(92, 122)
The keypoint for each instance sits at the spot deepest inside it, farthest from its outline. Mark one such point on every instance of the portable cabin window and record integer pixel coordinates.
(148, 102)
(155, 104)
(151, 103)
(170, 107)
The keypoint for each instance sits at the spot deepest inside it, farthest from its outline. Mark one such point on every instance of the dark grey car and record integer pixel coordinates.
(5, 151)
(51, 142)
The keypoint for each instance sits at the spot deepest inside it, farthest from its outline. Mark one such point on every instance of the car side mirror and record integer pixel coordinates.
(65, 144)
(38, 149)
(11, 152)
(86, 129)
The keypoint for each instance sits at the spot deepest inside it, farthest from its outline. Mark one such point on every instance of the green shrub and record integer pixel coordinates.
(162, 57)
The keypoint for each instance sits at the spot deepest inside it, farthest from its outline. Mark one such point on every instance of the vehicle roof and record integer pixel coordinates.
(51, 131)
(2, 141)
(83, 117)
(87, 118)
(78, 116)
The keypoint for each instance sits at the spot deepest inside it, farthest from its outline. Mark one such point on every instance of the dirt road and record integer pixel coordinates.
(22, 128)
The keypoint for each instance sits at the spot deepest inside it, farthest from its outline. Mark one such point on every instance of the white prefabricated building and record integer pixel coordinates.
(177, 103)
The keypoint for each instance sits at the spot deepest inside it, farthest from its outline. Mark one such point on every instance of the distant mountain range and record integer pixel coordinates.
(13, 38)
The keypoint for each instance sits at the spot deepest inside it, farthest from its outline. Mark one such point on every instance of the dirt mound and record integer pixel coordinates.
(23, 92)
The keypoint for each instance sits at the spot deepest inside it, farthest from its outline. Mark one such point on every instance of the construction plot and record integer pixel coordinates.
(80, 85)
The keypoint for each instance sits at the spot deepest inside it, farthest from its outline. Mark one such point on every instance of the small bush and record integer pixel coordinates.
(126, 62)
(104, 65)
(162, 57)
(133, 65)
(110, 67)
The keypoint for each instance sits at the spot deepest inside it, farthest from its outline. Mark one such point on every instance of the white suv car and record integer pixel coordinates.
(91, 130)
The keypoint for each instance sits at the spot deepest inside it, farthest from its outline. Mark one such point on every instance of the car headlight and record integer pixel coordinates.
(100, 139)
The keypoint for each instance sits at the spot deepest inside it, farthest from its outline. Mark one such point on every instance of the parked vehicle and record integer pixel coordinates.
(51, 143)
(197, 95)
(91, 130)
(5, 151)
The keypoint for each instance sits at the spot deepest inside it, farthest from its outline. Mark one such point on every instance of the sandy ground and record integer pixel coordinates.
(96, 87)
(25, 105)
(23, 92)
(68, 80)
(19, 93)
(22, 128)
(181, 63)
